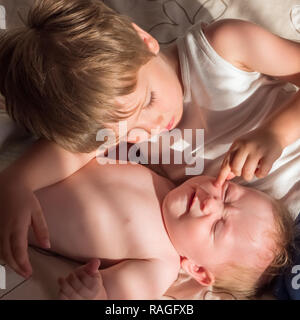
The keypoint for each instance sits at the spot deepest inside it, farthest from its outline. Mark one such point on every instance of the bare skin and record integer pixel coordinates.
(236, 42)
(34, 170)
(104, 213)
(141, 246)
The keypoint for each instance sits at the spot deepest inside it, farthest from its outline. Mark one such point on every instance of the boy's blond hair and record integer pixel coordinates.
(60, 72)
(247, 282)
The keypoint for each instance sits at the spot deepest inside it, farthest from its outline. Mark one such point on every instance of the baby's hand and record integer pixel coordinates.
(252, 154)
(85, 283)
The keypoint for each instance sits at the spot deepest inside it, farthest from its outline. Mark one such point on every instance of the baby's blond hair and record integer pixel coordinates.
(60, 73)
(246, 281)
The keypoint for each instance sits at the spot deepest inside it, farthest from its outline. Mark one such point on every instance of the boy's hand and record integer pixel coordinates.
(252, 154)
(85, 283)
(19, 209)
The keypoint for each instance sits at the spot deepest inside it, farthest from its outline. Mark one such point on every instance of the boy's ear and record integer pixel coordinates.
(200, 274)
(151, 42)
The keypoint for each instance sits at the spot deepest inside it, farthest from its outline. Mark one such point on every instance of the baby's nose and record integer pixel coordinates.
(211, 205)
(205, 205)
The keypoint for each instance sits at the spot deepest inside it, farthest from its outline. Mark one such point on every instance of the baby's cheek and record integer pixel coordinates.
(173, 208)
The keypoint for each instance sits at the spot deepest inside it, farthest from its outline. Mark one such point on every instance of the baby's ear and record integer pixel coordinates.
(200, 274)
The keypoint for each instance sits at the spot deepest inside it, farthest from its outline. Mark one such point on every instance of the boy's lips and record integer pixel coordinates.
(170, 124)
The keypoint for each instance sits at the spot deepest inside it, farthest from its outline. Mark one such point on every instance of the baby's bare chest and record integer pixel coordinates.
(136, 232)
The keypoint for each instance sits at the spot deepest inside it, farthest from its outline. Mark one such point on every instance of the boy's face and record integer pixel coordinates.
(159, 78)
(213, 226)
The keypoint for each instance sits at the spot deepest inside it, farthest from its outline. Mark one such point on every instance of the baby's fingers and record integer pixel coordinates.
(92, 267)
(87, 280)
(79, 286)
(67, 291)
(61, 296)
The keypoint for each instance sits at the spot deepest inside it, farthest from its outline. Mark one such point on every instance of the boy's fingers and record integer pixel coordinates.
(237, 161)
(8, 257)
(40, 228)
(249, 168)
(230, 176)
(265, 165)
(19, 246)
(223, 174)
(224, 171)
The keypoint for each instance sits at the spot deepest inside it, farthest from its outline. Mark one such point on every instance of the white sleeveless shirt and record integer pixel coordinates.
(227, 102)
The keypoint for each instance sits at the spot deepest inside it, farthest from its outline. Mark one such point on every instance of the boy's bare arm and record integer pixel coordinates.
(286, 122)
(249, 45)
(45, 163)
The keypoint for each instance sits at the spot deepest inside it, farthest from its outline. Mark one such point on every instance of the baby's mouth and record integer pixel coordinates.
(195, 205)
(192, 201)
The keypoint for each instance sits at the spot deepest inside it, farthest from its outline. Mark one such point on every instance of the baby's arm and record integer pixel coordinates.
(127, 280)
(45, 163)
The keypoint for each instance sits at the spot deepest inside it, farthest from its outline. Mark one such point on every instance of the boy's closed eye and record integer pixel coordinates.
(153, 98)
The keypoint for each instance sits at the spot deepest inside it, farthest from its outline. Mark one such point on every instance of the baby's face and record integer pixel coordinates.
(213, 226)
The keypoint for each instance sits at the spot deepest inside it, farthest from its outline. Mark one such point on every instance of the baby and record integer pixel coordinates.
(144, 231)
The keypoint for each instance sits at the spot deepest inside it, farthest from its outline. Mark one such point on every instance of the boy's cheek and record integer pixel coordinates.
(137, 135)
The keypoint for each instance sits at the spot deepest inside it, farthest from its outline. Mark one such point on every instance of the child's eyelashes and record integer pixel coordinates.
(152, 100)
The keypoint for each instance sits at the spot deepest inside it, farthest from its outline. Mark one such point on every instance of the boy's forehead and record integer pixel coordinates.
(138, 97)
(128, 101)
(133, 100)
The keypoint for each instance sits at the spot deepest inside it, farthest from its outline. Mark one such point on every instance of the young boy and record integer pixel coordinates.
(144, 229)
(77, 66)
